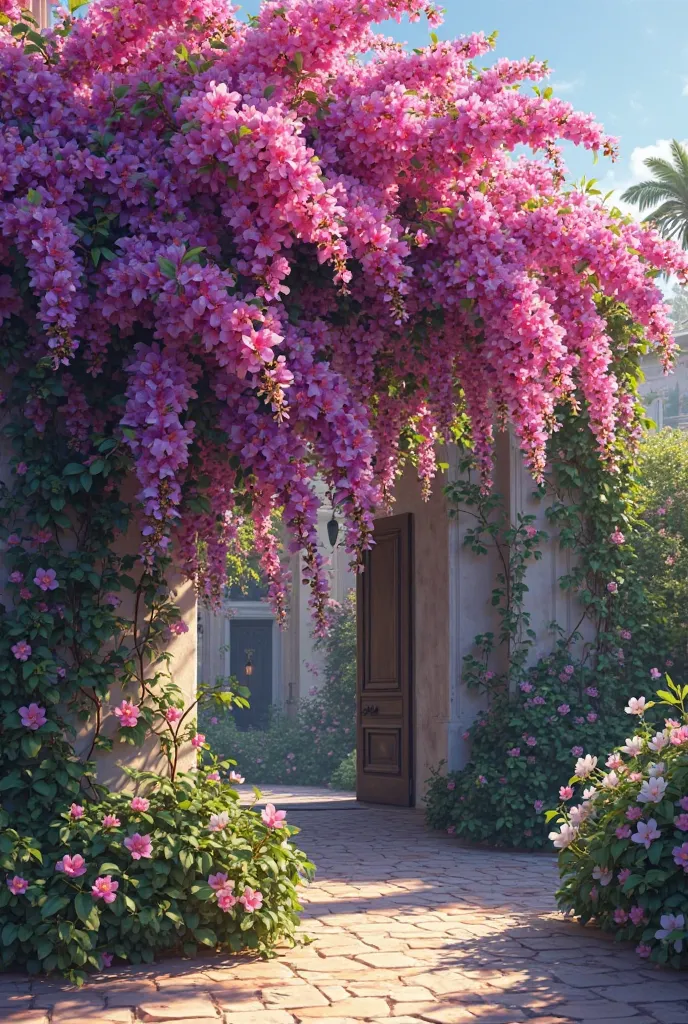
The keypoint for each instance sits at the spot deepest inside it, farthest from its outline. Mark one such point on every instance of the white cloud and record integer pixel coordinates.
(567, 86)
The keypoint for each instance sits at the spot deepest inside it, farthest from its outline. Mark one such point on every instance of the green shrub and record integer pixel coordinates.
(163, 901)
(344, 777)
(304, 748)
(624, 844)
(519, 748)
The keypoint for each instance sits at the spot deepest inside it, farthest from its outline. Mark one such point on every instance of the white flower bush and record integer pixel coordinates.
(622, 834)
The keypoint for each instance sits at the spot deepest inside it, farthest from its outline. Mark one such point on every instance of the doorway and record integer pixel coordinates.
(384, 698)
(250, 644)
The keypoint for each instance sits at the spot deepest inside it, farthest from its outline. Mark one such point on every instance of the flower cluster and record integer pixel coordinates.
(283, 261)
(624, 843)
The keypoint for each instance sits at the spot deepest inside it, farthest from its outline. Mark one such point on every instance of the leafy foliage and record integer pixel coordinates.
(162, 901)
(624, 847)
(665, 195)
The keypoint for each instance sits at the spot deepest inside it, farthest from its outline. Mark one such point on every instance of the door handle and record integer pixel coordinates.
(370, 709)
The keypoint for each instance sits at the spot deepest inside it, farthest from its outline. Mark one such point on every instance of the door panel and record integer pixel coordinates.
(252, 635)
(385, 652)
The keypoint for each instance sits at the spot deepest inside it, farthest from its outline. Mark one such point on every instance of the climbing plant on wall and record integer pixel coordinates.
(234, 255)
(571, 700)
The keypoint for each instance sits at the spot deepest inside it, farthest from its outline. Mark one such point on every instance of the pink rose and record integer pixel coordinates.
(105, 889)
(565, 792)
(17, 885)
(21, 650)
(32, 717)
(272, 818)
(139, 846)
(72, 866)
(139, 803)
(251, 899)
(45, 579)
(128, 714)
(76, 811)
(111, 821)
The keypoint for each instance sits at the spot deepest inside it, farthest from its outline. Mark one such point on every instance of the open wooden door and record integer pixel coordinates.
(385, 666)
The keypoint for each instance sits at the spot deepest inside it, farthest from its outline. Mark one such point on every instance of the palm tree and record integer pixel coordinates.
(668, 192)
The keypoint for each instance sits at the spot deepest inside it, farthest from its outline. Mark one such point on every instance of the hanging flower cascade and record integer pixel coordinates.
(288, 255)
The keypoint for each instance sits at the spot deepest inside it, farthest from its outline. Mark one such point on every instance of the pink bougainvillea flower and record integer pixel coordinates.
(139, 846)
(33, 716)
(76, 811)
(111, 821)
(526, 687)
(514, 752)
(72, 866)
(236, 777)
(681, 822)
(634, 813)
(25, 594)
(173, 715)
(21, 650)
(128, 714)
(577, 751)
(219, 881)
(139, 803)
(46, 579)
(620, 916)
(43, 536)
(273, 818)
(198, 740)
(17, 885)
(105, 888)
(251, 899)
(623, 832)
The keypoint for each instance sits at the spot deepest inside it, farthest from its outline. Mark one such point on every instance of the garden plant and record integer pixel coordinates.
(234, 255)
(622, 831)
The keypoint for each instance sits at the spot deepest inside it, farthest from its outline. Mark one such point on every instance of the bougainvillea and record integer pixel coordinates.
(280, 255)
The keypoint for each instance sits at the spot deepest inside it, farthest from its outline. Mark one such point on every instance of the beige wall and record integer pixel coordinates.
(453, 590)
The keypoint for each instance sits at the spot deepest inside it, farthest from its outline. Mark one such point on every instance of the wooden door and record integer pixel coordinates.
(385, 666)
(255, 636)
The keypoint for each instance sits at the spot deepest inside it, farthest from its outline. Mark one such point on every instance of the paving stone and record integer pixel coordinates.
(646, 992)
(357, 1009)
(393, 960)
(669, 1013)
(601, 1010)
(266, 1017)
(292, 996)
(176, 1009)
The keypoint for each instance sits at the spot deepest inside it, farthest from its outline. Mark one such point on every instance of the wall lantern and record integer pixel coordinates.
(248, 667)
(333, 530)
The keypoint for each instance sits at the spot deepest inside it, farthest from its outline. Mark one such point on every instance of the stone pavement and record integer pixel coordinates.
(407, 927)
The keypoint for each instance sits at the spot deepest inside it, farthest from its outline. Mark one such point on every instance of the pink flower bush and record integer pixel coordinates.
(74, 866)
(128, 714)
(198, 740)
(32, 716)
(139, 846)
(17, 885)
(21, 650)
(105, 888)
(139, 803)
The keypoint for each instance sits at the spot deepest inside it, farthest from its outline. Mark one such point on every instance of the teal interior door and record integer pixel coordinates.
(252, 639)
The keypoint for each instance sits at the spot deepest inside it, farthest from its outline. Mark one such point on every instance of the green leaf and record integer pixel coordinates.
(167, 267)
(298, 61)
(191, 255)
(34, 197)
(53, 905)
(268, 91)
(30, 745)
(206, 936)
(72, 469)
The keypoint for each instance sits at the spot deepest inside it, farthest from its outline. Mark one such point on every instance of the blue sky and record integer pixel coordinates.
(626, 61)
